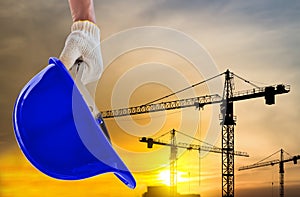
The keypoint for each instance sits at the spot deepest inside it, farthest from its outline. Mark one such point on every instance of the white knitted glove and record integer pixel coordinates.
(84, 43)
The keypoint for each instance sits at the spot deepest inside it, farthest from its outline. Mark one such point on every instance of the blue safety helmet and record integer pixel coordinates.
(57, 132)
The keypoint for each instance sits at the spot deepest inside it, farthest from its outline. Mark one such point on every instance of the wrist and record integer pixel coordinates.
(84, 16)
(82, 10)
(87, 27)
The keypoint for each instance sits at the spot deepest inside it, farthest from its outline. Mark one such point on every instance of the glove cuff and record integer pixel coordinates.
(87, 27)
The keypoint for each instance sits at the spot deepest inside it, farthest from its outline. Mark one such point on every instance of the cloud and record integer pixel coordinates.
(31, 32)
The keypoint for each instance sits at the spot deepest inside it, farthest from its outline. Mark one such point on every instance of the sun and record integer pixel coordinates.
(164, 177)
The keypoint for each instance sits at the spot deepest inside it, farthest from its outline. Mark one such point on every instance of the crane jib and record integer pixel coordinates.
(268, 92)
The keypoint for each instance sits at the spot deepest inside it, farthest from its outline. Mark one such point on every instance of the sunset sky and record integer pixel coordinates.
(151, 49)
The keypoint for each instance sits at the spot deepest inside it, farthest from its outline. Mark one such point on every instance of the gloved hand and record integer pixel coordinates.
(84, 43)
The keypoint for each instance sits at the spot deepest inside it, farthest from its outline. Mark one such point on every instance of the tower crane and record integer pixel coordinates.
(228, 120)
(280, 161)
(174, 145)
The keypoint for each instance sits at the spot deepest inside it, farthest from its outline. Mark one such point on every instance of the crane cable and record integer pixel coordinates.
(184, 89)
(162, 135)
(267, 157)
(287, 153)
(247, 81)
(196, 139)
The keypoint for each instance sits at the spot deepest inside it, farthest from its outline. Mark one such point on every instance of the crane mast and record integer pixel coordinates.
(281, 162)
(281, 174)
(173, 164)
(228, 123)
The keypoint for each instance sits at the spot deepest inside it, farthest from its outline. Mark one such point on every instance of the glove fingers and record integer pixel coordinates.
(92, 71)
(70, 53)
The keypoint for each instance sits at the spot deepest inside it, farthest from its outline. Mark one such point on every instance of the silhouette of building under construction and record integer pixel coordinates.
(163, 191)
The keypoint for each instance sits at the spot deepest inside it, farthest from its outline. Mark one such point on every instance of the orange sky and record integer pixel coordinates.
(20, 178)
